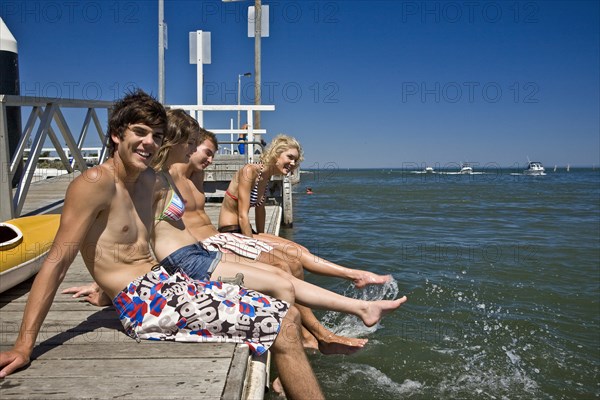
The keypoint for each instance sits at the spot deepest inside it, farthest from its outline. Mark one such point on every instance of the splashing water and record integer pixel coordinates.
(470, 366)
(351, 326)
(365, 376)
(501, 276)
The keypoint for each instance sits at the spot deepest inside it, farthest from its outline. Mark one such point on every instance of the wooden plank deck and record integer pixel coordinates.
(47, 196)
(83, 352)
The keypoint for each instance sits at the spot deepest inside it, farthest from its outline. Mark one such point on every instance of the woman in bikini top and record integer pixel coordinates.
(174, 209)
(249, 186)
(179, 143)
(254, 192)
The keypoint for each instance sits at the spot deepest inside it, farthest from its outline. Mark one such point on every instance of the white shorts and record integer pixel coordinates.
(237, 244)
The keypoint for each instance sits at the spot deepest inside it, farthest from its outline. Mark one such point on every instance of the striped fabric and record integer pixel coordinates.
(237, 244)
(175, 209)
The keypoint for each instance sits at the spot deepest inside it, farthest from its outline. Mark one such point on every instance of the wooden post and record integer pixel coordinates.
(288, 211)
(161, 51)
(257, 76)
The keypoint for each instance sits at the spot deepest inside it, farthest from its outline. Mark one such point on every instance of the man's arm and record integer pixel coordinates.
(86, 197)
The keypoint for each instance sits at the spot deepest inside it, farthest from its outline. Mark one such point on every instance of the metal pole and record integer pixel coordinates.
(7, 210)
(239, 94)
(238, 99)
(200, 77)
(161, 51)
(257, 34)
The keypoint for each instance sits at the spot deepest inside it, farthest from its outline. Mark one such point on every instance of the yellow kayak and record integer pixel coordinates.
(24, 244)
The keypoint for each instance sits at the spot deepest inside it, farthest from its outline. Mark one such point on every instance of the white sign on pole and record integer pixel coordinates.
(206, 53)
(199, 55)
(264, 21)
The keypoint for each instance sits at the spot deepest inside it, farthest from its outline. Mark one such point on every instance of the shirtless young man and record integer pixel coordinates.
(116, 218)
(189, 179)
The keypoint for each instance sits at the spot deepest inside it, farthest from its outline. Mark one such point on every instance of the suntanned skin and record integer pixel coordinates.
(189, 179)
(169, 236)
(236, 212)
(115, 218)
(112, 230)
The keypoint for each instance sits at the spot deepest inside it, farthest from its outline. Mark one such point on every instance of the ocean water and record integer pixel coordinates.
(502, 273)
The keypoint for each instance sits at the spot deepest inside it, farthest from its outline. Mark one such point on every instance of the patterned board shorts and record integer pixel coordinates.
(237, 244)
(171, 306)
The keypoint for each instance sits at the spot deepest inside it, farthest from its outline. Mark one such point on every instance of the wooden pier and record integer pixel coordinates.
(83, 352)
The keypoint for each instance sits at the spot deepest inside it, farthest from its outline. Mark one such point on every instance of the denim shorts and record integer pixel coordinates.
(197, 262)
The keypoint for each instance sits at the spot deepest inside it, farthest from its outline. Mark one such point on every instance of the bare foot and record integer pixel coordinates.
(308, 340)
(365, 278)
(334, 344)
(278, 388)
(375, 310)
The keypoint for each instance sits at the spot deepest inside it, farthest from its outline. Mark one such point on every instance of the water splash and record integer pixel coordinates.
(349, 325)
(377, 382)
(475, 328)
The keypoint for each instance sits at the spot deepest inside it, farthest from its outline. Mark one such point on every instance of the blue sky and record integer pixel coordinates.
(359, 83)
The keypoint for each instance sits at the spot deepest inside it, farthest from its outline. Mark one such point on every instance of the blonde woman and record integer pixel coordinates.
(248, 188)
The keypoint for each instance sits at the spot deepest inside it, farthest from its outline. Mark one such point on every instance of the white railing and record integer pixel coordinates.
(45, 114)
(85, 154)
(252, 135)
(46, 117)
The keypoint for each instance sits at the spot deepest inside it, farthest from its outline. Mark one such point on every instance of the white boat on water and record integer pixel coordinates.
(534, 168)
(466, 169)
(426, 170)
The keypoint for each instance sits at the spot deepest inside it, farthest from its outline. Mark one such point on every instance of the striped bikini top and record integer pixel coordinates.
(253, 193)
(174, 209)
(254, 202)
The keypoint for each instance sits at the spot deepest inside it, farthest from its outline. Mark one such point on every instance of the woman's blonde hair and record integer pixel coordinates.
(180, 126)
(278, 145)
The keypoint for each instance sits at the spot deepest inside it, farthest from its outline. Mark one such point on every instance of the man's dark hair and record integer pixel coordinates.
(136, 107)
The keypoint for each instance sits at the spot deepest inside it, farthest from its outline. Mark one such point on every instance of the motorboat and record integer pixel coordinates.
(534, 168)
(426, 170)
(466, 169)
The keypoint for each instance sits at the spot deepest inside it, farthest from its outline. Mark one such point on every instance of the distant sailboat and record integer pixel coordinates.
(568, 167)
(554, 167)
